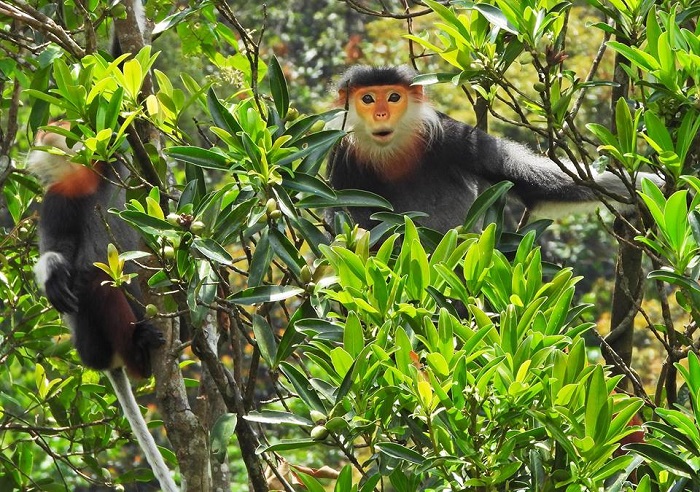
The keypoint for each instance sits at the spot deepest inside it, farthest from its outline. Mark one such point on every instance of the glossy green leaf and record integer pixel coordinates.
(150, 225)
(278, 87)
(222, 117)
(675, 279)
(400, 452)
(265, 293)
(344, 480)
(322, 140)
(309, 483)
(212, 250)
(663, 457)
(265, 338)
(482, 203)
(287, 445)
(346, 198)
(353, 337)
(302, 387)
(286, 251)
(597, 415)
(206, 159)
(260, 264)
(276, 417)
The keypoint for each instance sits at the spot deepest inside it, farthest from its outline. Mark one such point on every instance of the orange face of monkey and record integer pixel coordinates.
(381, 108)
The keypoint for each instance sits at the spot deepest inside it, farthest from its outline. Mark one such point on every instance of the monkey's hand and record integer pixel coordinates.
(54, 277)
(146, 337)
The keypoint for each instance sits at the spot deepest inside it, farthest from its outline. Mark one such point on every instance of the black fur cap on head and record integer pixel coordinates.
(365, 75)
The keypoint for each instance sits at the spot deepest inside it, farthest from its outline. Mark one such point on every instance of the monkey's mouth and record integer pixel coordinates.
(383, 135)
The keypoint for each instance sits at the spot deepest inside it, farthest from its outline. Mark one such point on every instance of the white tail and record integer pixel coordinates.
(122, 389)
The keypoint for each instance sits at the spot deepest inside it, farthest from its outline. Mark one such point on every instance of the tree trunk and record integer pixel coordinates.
(186, 432)
(628, 272)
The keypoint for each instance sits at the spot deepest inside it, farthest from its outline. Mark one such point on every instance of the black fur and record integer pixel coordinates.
(459, 164)
(105, 322)
(363, 76)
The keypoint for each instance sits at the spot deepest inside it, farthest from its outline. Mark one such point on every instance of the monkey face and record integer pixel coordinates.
(380, 109)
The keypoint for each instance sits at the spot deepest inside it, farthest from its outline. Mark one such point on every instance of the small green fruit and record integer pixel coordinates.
(317, 416)
(151, 310)
(292, 114)
(173, 219)
(305, 274)
(197, 227)
(319, 433)
(317, 127)
(168, 252)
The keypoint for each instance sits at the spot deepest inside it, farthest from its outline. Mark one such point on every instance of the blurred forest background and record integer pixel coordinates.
(313, 361)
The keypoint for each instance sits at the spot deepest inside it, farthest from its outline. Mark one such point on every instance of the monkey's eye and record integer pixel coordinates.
(394, 97)
(367, 99)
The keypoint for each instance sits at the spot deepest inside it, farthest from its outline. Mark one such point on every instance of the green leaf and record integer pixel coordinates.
(437, 363)
(400, 452)
(656, 129)
(276, 417)
(265, 293)
(635, 55)
(558, 315)
(303, 125)
(313, 327)
(260, 264)
(681, 421)
(287, 445)
(419, 271)
(212, 250)
(344, 481)
(265, 338)
(308, 184)
(663, 457)
(133, 77)
(482, 203)
(322, 140)
(653, 33)
(302, 387)
(451, 19)
(675, 218)
(495, 17)
(342, 361)
(278, 87)
(626, 131)
(621, 421)
(148, 224)
(111, 113)
(675, 279)
(221, 116)
(221, 434)
(286, 251)
(597, 416)
(309, 482)
(353, 337)
(346, 198)
(403, 351)
(206, 159)
(670, 433)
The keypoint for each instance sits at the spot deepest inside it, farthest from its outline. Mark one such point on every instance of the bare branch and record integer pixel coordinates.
(25, 13)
